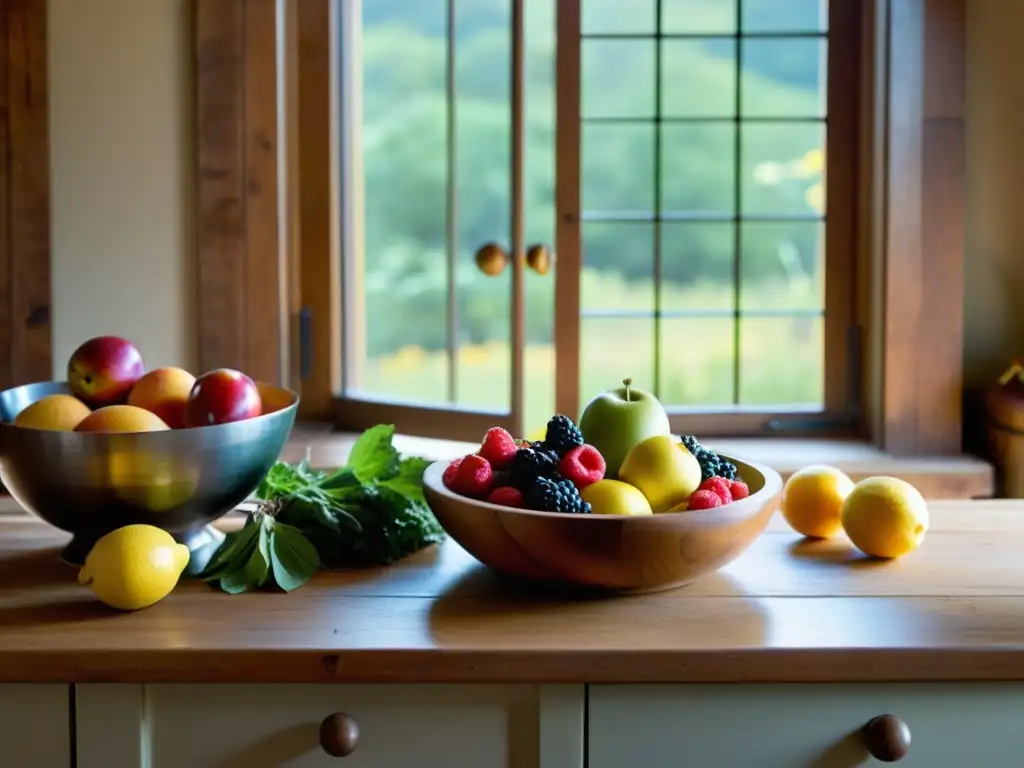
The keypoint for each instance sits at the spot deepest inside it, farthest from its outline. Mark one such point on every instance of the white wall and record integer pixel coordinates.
(120, 131)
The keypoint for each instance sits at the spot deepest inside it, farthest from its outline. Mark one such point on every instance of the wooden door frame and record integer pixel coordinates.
(25, 316)
(909, 238)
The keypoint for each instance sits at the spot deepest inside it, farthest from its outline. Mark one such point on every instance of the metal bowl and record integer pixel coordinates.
(180, 480)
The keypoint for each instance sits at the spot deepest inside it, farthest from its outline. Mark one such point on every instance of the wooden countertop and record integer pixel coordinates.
(787, 610)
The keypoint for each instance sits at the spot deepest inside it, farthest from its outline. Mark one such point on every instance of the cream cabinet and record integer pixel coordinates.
(35, 726)
(279, 726)
(805, 726)
(937, 725)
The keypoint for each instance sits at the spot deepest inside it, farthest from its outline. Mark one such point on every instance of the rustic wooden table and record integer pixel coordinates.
(786, 611)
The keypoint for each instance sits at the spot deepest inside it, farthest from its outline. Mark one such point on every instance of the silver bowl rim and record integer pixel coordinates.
(292, 406)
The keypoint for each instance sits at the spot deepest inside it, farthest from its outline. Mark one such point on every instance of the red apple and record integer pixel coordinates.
(103, 370)
(221, 396)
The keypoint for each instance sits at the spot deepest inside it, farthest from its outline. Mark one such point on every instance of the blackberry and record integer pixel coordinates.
(711, 464)
(556, 494)
(529, 464)
(562, 435)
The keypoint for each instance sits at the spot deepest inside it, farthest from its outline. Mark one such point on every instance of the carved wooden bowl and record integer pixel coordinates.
(622, 554)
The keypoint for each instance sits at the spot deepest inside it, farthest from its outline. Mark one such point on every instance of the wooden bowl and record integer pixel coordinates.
(627, 554)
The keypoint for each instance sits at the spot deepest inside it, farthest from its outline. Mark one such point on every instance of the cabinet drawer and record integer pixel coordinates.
(35, 726)
(802, 726)
(277, 726)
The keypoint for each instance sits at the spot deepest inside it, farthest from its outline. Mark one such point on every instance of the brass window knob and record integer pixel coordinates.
(491, 259)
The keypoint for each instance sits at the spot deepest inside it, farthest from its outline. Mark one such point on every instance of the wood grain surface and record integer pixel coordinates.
(787, 610)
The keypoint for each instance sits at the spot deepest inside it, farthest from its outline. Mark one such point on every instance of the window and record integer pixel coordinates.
(703, 255)
(752, 208)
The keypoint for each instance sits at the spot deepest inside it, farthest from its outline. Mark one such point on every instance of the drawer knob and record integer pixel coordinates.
(887, 738)
(339, 734)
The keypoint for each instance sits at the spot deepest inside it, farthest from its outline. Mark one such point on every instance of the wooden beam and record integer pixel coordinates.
(921, 335)
(25, 331)
(239, 216)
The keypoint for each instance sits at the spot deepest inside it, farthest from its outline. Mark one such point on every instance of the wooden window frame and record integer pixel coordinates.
(25, 334)
(908, 208)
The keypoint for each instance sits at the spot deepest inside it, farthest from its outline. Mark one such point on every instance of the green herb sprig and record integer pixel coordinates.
(369, 512)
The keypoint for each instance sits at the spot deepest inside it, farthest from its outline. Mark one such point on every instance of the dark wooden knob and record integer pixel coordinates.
(887, 738)
(339, 734)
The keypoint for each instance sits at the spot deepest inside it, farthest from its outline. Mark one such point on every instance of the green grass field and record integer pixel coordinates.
(780, 358)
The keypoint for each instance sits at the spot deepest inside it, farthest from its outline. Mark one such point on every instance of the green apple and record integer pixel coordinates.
(615, 421)
(664, 471)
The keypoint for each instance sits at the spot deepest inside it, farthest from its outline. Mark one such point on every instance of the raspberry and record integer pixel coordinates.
(498, 447)
(449, 472)
(473, 477)
(562, 435)
(738, 489)
(719, 486)
(506, 496)
(583, 465)
(704, 500)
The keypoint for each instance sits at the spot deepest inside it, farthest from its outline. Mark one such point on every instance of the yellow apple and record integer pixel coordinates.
(664, 471)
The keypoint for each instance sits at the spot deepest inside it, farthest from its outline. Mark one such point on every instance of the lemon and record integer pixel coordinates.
(614, 497)
(134, 567)
(812, 500)
(885, 517)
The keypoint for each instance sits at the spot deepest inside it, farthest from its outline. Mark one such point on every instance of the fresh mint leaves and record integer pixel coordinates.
(370, 512)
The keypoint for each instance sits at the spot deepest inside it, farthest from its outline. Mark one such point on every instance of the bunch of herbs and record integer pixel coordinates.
(369, 512)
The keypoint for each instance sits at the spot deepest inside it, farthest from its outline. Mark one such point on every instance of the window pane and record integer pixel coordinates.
(539, 200)
(697, 266)
(698, 78)
(403, 285)
(697, 167)
(483, 130)
(698, 16)
(613, 349)
(783, 265)
(616, 16)
(697, 361)
(617, 78)
(783, 167)
(784, 77)
(782, 361)
(617, 167)
(618, 266)
(784, 15)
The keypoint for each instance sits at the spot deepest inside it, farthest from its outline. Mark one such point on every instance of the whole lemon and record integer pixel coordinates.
(885, 517)
(614, 497)
(812, 500)
(134, 567)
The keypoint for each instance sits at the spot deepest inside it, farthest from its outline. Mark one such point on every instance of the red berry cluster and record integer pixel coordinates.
(717, 492)
(484, 475)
